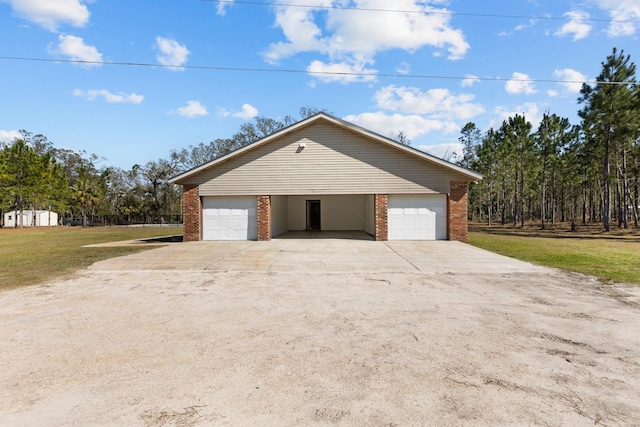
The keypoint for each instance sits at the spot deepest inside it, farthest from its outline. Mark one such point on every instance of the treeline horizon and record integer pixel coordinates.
(36, 175)
(583, 173)
(556, 172)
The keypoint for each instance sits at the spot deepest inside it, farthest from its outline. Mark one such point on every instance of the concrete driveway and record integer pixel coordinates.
(321, 256)
(319, 332)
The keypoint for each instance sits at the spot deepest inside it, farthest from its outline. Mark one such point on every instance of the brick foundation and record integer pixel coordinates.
(192, 212)
(264, 218)
(381, 209)
(458, 225)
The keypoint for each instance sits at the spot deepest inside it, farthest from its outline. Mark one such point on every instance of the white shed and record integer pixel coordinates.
(27, 218)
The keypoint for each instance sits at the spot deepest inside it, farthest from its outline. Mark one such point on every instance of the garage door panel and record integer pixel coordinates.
(238, 224)
(417, 217)
(232, 218)
(424, 222)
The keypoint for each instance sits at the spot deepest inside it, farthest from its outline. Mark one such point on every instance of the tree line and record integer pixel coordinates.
(587, 172)
(34, 175)
(584, 173)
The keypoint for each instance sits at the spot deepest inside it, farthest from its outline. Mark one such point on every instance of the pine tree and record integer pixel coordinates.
(552, 137)
(470, 140)
(608, 117)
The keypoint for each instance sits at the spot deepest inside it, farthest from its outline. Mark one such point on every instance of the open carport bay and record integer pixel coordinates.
(285, 333)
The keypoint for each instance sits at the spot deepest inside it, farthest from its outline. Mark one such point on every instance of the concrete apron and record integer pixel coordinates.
(324, 255)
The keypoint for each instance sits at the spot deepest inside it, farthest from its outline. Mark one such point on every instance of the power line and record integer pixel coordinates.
(315, 73)
(423, 12)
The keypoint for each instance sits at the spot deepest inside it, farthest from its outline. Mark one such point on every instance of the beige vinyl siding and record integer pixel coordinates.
(334, 161)
(343, 212)
(370, 222)
(279, 215)
(337, 213)
(297, 213)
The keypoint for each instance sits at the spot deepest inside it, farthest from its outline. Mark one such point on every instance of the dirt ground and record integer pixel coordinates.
(310, 348)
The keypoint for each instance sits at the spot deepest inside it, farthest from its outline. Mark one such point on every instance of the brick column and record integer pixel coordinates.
(264, 218)
(458, 215)
(381, 208)
(192, 211)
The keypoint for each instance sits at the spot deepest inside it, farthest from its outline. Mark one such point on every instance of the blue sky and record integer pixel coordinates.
(425, 69)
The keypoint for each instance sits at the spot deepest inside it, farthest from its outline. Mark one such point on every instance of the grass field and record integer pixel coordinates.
(33, 255)
(612, 257)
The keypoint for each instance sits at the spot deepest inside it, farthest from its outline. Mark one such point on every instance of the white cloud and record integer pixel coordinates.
(112, 98)
(404, 68)
(448, 152)
(532, 22)
(75, 48)
(9, 135)
(348, 38)
(470, 80)
(221, 8)
(172, 53)
(300, 30)
(520, 84)
(572, 79)
(577, 25)
(50, 14)
(412, 126)
(625, 15)
(415, 112)
(520, 27)
(248, 112)
(342, 72)
(530, 110)
(437, 103)
(192, 109)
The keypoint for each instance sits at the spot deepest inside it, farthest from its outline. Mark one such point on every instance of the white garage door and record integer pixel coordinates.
(417, 217)
(232, 218)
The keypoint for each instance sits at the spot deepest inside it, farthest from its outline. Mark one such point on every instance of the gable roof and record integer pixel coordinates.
(469, 174)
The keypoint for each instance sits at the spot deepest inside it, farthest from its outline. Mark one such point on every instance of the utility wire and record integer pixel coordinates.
(315, 73)
(424, 12)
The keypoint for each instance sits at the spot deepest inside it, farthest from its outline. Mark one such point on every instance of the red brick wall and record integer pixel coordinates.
(458, 219)
(381, 208)
(264, 218)
(192, 211)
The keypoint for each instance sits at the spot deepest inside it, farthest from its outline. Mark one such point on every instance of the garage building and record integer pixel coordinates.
(326, 174)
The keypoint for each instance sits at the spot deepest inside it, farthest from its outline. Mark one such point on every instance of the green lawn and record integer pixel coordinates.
(34, 255)
(610, 258)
